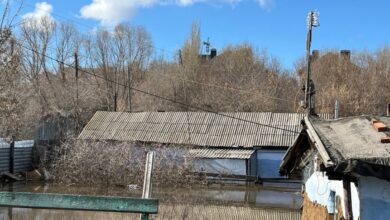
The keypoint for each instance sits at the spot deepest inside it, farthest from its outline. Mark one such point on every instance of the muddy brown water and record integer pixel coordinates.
(197, 202)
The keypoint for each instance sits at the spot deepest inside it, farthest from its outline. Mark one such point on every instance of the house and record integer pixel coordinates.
(345, 167)
(239, 143)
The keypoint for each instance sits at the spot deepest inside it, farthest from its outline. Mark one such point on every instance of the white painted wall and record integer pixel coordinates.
(217, 166)
(375, 198)
(318, 189)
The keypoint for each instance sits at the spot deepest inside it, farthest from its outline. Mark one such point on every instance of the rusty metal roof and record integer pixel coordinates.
(196, 128)
(220, 153)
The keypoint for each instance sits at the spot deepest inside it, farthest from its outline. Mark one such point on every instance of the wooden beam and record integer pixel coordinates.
(78, 202)
(347, 199)
(318, 143)
(147, 189)
(12, 155)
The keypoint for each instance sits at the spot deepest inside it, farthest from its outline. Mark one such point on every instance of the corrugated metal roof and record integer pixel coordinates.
(220, 153)
(196, 128)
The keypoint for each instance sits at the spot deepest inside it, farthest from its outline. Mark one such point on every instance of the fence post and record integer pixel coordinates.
(12, 155)
(147, 188)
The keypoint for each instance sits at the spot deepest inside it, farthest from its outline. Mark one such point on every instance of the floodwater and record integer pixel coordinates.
(198, 202)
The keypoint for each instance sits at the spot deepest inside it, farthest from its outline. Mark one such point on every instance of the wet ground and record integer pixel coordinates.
(197, 202)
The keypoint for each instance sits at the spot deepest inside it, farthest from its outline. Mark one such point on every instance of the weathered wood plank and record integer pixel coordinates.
(79, 202)
(317, 141)
(10, 176)
(147, 189)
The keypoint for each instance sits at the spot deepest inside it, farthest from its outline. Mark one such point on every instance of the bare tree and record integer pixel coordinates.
(113, 55)
(360, 83)
(36, 35)
(11, 101)
(67, 42)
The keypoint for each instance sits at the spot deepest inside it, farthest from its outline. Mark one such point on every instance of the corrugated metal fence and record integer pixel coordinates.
(23, 156)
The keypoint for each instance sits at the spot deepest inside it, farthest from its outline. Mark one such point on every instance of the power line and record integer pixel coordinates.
(205, 84)
(230, 88)
(154, 95)
(210, 85)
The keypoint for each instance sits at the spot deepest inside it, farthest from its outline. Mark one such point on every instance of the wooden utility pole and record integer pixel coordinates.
(309, 88)
(76, 60)
(115, 102)
(185, 87)
(180, 58)
(308, 45)
(129, 87)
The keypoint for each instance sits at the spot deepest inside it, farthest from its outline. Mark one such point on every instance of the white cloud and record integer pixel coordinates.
(191, 2)
(113, 11)
(110, 12)
(42, 9)
(266, 4)
(41, 12)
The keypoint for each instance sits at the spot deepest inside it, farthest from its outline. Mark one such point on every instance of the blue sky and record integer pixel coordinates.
(279, 26)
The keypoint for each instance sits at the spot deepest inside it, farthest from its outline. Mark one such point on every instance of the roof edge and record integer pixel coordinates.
(318, 143)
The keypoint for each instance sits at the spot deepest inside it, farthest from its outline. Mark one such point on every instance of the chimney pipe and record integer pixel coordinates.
(388, 110)
(213, 53)
(346, 54)
(337, 109)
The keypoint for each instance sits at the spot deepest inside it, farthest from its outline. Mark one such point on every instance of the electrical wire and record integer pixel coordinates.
(155, 95)
(230, 88)
(163, 50)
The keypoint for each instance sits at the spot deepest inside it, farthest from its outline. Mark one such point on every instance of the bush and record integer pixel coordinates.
(113, 163)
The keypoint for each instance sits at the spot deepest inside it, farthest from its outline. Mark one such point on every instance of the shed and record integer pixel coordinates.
(344, 164)
(225, 161)
(267, 134)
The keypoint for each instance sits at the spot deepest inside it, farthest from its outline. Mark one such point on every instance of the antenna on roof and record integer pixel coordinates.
(207, 45)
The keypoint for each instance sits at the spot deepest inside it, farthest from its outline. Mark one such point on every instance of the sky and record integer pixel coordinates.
(277, 26)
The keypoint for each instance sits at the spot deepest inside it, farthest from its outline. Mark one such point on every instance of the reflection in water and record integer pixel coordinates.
(178, 212)
(43, 214)
(212, 202)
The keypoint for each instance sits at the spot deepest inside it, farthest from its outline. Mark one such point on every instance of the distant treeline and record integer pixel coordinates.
(38, 76)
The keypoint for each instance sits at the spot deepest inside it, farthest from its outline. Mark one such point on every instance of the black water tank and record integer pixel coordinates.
(213, 53)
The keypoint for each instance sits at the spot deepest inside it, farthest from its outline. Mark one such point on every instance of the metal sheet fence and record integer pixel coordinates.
(23, 156)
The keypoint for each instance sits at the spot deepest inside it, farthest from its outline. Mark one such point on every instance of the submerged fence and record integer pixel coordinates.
(16, 156)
